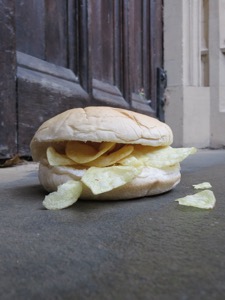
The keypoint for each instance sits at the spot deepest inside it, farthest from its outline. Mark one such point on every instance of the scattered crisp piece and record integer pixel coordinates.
(202, 186)
(66, 195)
(204, 199)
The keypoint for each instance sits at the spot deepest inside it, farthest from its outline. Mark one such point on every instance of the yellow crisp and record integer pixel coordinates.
(57, 159)
(112, 158)
(83, 153)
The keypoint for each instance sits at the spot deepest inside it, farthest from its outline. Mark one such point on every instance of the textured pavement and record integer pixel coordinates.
(149, 248)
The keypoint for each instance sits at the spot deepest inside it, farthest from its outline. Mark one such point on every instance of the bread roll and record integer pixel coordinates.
(104, 124)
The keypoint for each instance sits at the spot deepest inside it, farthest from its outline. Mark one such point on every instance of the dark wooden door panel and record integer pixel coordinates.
(145, 56)
(102, 39)
(50, 63)
(56, 32)
(42, 29)
(43, 89)
(124, 62)
(74, 53)
(30, 27)
(155, 32)
(106, 53)
(8, 117)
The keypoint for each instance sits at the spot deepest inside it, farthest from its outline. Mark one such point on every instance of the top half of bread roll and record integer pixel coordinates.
(100, 124)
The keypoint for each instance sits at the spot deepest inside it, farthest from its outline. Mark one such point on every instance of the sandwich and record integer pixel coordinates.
(105, 153)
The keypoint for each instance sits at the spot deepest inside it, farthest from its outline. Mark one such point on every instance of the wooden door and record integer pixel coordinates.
(59, 54)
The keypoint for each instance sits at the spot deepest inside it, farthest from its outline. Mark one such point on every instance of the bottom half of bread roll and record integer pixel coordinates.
(151, 181)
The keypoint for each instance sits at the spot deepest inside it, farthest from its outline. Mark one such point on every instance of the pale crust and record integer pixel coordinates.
(98, 124)
(150, 182)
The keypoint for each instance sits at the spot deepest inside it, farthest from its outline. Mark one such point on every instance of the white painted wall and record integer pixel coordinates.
(217, 72)
(195, 106)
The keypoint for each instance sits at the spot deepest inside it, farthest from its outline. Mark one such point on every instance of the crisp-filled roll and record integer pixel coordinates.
(105, 153)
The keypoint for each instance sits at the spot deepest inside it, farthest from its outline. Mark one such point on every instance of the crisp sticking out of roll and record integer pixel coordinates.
(105, 153)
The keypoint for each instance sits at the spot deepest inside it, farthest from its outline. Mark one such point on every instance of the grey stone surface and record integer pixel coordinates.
(149, 248)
